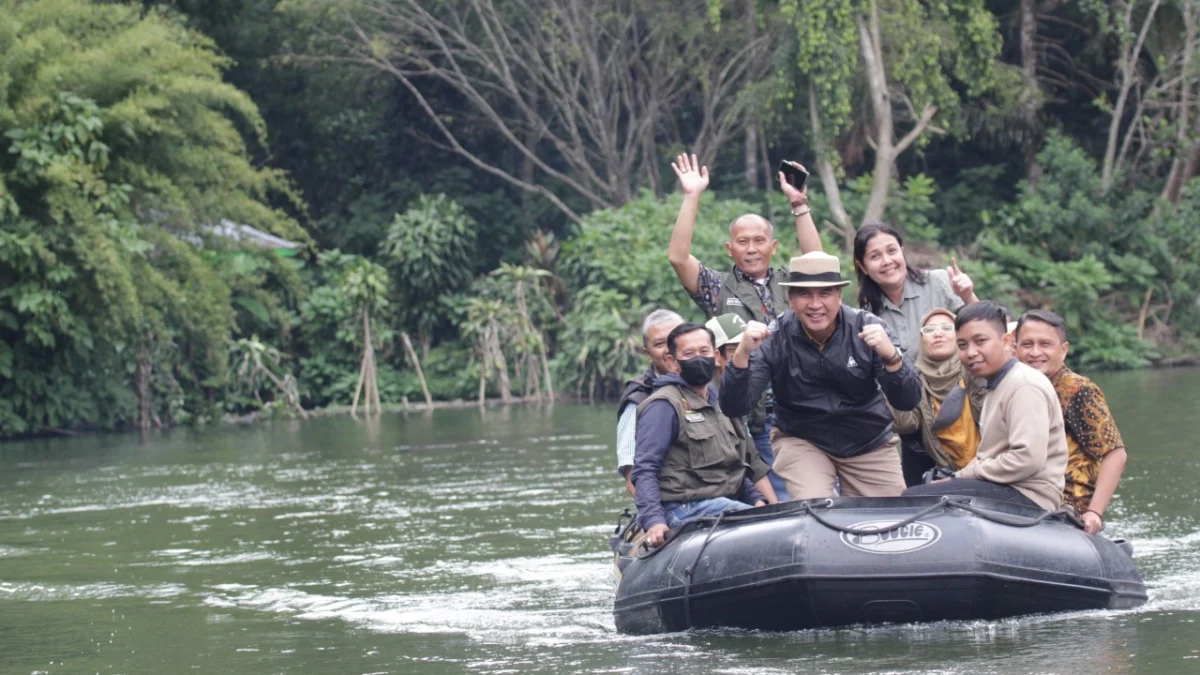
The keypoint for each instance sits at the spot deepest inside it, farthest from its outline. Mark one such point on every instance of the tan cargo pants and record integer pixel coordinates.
(809, 472)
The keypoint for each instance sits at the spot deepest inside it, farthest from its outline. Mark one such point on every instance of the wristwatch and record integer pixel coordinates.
(797, 212)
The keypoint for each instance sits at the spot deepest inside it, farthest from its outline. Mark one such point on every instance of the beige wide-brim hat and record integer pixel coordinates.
(815, 270)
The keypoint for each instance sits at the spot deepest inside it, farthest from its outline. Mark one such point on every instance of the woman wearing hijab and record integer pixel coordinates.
(948, 415)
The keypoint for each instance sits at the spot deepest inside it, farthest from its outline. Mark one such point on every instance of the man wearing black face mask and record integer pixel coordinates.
(689, 459)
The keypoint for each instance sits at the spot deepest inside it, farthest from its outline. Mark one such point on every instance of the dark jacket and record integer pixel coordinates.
(699, 454)
(832, 397)
(636, 390)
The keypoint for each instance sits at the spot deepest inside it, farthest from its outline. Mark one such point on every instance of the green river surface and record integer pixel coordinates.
(457, 542)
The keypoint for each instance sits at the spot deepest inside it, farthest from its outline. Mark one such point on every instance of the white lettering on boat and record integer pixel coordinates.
(905, 539)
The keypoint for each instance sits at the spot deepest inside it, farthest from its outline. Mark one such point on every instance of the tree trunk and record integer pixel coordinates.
(764, 160)
(527, 167)
(833, 193)
(1030, 92)
(367, 384)
(886, 147)
(424, 339)
(412, 354)
(750, 149)
(145, 369)
(375, 384)
(546, 369)
(505, 384)
(1126, 68)
(1141, 327)
(482, 383)
(1192, 166)
(287, 393)
(881, 112)
(362, 376)
(1178, 176)
(143, 392)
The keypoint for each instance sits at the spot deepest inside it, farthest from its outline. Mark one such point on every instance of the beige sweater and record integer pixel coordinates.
(1022, 440)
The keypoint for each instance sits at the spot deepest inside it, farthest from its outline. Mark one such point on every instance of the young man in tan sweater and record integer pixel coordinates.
(1022, 456)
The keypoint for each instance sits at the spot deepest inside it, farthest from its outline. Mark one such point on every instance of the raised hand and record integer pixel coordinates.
(693, 178)
(877, 339)
(960, 283)
(795, 197)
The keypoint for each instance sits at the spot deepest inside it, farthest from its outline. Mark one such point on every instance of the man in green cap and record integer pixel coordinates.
(727, 333)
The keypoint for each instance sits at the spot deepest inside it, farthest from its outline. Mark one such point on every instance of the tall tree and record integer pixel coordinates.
(1130, 22)
(582, 92)
(916, 62)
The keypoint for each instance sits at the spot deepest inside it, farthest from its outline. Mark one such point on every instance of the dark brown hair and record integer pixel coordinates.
(870, 295)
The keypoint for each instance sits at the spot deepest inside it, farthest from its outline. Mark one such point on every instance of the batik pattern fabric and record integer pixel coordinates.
(1091, 434)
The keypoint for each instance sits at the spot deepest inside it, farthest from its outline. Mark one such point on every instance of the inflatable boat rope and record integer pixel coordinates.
(807, 508)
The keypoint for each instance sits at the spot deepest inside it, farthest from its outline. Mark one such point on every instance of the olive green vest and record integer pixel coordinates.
(738, 296)
(707, 458)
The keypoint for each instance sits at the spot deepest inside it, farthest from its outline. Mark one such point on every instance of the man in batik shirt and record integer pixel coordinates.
(1096, 454)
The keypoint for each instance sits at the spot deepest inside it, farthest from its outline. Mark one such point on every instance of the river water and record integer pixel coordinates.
(457, 543)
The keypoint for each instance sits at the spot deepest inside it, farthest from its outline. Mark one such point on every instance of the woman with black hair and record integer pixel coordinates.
(902, 296)
(899, 294)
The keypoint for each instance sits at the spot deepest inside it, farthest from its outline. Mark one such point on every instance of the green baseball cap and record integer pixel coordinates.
(727, 329)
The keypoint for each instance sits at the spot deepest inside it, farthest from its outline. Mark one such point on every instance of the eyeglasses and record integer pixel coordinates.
(938, 328)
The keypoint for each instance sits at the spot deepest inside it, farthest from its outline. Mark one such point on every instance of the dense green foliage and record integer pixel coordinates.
(122, 139)
(132, 130)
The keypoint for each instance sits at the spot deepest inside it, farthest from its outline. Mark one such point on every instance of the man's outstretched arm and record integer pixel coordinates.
(806, 229)
(693, 179)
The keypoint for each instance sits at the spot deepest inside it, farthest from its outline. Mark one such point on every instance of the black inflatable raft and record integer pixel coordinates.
(835, 562)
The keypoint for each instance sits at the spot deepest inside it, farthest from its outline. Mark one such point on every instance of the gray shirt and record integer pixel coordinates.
(919, 299)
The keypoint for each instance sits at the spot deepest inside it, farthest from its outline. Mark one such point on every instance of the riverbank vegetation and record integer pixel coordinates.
(471, 200)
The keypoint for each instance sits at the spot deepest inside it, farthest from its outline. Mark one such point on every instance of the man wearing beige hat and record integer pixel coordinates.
(834, 369)
(749, 288)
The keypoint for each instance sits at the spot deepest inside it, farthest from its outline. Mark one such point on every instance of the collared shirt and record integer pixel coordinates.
(918, 300)
(708, 294)
(994, 380)
(1091, 434)
(627, 418)
(626, 437)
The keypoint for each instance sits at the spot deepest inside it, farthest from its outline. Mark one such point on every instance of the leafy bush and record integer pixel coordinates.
(1096, 258)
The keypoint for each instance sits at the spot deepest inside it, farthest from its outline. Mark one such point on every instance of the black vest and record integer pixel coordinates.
(636, 390)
